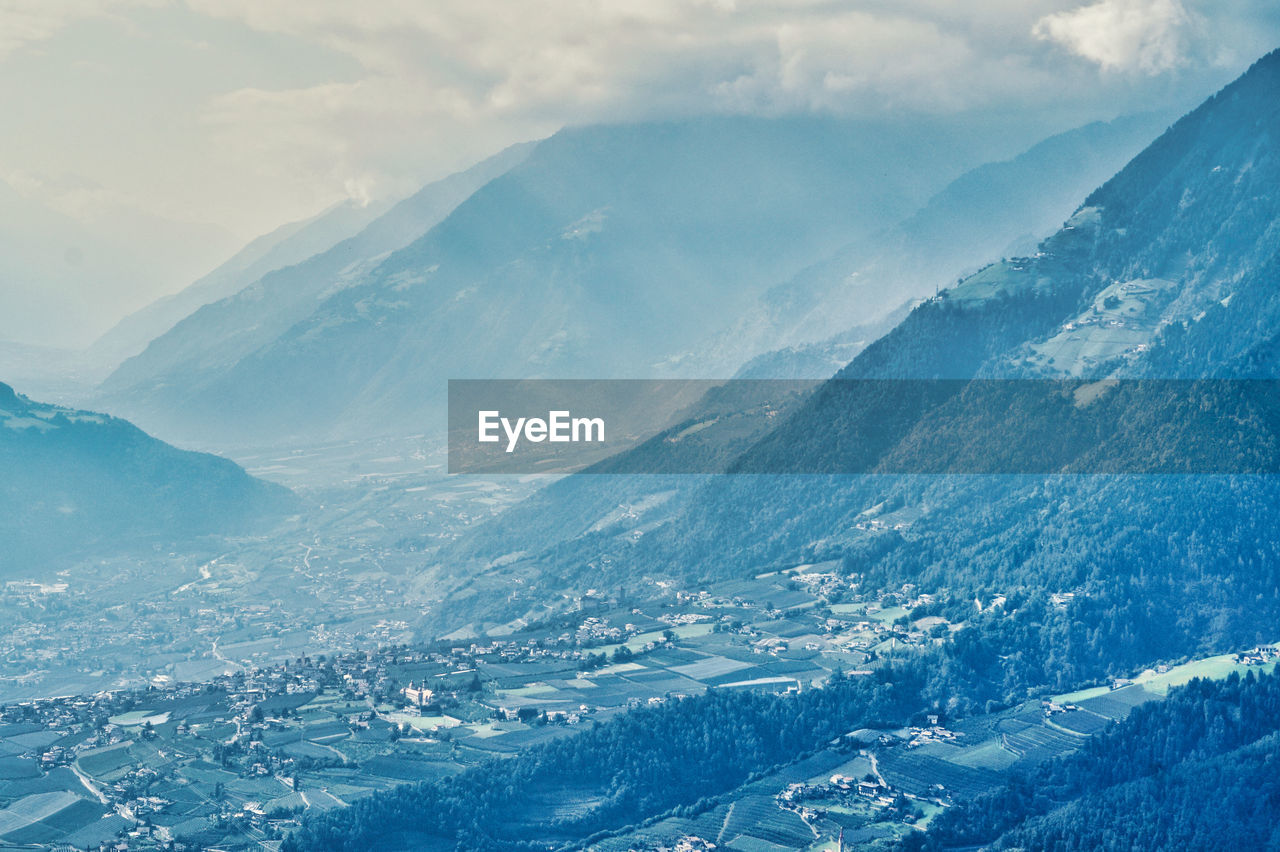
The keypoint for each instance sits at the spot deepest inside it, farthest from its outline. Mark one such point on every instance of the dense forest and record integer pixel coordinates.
(649, 761)
(1197, 771)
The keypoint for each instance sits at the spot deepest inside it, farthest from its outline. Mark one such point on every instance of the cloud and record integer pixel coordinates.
(593, 58)
(874, 63)
(25, 22)
(390, 93)
(445, 82)
(1151, 36)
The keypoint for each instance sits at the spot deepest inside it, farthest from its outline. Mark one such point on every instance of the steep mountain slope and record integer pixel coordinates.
(996, 209)
(1154, 259)
(606, 251)
(252, 308)
(824, 358)
(1195, 771)
(1168, 270)
(285, 246)
(1183, 559)
(1033, 190)
(78, 483)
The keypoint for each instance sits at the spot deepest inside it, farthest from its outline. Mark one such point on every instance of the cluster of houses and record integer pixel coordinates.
(1054, 708)
(934, 733)
(1259, 656)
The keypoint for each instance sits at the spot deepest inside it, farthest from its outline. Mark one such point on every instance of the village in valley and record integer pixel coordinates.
(235, 760)
(213, 700)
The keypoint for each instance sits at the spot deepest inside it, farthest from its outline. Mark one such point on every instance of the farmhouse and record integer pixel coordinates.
(870, 789)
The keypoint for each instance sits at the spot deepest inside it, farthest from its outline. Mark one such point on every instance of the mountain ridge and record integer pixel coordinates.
(78, 482)
(286, 245)
(536, 262)
(231, 327)
(1137, 544)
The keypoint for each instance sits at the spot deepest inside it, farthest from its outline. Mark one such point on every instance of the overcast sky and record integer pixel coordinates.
(249, 113)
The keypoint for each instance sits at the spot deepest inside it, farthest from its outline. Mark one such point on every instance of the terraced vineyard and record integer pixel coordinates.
(760, 818)
(918, 774)
(1037, 742)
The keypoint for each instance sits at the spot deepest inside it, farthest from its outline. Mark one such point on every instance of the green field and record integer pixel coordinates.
(889, 615)
(107, 760)
(138, 718)
(710, 667)
(34, 808)
(525, 691)
(637, 643)
(989, 755)
(495, 729)
(760, 818)
(1006, 276)
(423, 723)
(1213, 668)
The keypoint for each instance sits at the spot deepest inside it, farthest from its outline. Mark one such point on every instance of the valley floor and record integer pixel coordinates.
(236, 759)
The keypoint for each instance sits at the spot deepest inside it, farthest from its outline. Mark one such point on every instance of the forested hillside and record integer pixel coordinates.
(76, 480)
(1158, 566)
(645, 763)
(1196, 771)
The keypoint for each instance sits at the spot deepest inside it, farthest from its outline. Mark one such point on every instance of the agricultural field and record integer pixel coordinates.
(927, 770)
(1122, 321)
(236, 761)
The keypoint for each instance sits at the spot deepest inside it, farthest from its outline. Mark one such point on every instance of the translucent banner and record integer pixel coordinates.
(846, 426)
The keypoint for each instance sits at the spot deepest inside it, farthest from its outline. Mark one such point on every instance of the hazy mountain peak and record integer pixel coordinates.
(605, 251)
(76, 479)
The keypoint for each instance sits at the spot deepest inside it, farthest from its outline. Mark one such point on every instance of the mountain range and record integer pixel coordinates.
(997, 209)
(1167, 270)
(606, 251)
(285, 246)
(868, 257)
(247, 312)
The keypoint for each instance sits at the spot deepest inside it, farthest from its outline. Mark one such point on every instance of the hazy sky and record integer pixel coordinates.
(248, 113)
